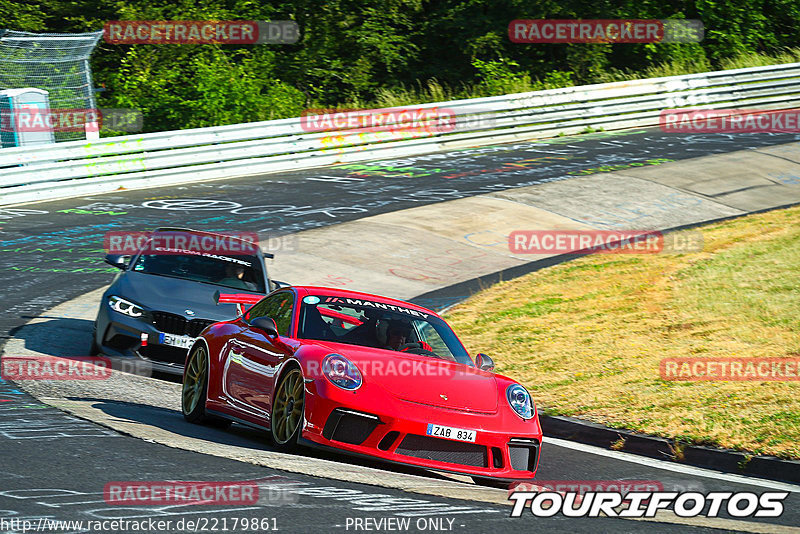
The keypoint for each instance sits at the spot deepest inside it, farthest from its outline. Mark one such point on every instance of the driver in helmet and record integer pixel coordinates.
(235, 277)
(398, 334)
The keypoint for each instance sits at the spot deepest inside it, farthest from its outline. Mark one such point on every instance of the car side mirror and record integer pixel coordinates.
(119, 261)
(266, 325)
(483, 362)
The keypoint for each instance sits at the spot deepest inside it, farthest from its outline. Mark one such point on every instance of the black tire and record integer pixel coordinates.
(194, 390)
(288, 411)
(94, 348)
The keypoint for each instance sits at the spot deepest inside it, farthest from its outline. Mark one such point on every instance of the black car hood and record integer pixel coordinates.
(174, 295)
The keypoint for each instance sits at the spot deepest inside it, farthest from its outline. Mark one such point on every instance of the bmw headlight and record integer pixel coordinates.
(341, 372)
(520, 400)
(125, 307)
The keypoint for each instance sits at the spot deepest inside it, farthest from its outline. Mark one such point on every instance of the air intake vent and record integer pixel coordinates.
(349, 427)
(523, 453)
(388, 440)
(171, 323)
(497, 458)
(196, 326)
(163, 353)
(443, 450)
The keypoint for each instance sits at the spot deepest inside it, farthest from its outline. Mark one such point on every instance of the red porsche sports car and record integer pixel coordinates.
(362, 374)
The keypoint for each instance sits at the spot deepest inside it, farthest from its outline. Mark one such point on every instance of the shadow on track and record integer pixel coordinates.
(237, 435)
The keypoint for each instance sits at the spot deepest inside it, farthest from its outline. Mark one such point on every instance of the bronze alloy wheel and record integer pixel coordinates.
(287, 410)
(195, 390)
(194, 384)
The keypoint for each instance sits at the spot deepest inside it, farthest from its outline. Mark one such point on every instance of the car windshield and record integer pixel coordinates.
(375, 324)
(239, 272)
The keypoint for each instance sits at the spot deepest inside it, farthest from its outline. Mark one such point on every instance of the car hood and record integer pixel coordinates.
(174, 295)
(423, 379)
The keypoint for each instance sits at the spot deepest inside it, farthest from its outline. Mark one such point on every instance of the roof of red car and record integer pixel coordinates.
(333, 292)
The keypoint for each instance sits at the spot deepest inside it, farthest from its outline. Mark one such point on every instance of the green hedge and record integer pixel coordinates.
(388, 52)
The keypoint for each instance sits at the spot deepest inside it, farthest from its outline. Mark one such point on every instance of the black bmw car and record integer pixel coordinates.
(163, 298)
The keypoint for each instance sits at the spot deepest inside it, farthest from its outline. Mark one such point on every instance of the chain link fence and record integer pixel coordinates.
(55, 62)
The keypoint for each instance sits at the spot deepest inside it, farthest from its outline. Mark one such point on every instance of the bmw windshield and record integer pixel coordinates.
(233, 271)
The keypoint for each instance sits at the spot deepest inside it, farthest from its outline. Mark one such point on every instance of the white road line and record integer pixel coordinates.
(671, 466)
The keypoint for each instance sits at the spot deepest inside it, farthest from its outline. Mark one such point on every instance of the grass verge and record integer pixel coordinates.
(586, 337)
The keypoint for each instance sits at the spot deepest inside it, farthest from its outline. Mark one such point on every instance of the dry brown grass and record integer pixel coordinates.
(586, 337)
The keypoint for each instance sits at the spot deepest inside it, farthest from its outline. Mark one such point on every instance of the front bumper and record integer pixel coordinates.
(120, 337)
(372, 422)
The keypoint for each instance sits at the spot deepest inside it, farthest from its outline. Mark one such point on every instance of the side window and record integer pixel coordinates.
(278, 307)
(429, 335)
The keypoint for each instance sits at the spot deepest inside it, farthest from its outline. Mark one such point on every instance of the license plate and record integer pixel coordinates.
(184, 342)
(447, 432)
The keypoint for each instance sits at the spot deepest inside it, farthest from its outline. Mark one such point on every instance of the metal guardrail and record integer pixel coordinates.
(165, 158)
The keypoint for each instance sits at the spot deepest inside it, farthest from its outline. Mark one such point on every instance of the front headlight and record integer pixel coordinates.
(341, 372)
(520, 400)
(126, 307)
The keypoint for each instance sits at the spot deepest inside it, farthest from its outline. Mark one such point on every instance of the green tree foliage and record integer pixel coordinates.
(384, 52)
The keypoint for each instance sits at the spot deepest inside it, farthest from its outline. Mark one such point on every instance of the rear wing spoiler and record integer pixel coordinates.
(240, 299)
(341, 317)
